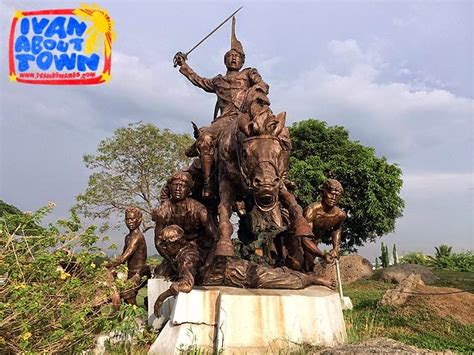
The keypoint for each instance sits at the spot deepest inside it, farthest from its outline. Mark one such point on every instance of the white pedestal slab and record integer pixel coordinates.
(155, 288)
(250, 321)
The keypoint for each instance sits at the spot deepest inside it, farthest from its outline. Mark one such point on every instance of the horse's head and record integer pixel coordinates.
(261, 168)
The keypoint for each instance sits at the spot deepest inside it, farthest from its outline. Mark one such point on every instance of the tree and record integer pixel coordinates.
(443, 251)
(130, 168)
(384, 258)
(395, 255)
(371, 185)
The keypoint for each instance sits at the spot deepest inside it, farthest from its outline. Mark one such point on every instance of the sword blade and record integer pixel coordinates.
(214, 30)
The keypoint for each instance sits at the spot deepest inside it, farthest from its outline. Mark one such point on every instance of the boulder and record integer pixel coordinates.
(400, 294)
(397, 273)
(353, 268)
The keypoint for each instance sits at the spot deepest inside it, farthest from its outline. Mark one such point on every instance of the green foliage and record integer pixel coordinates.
(192, 348)
(55, 295)
(395, 255)
(463, 261)
(130, 168)
(13, 216)
(372, 185)
(443, 259)
(418, 327)
(416, 257)
(443, 251)
(377, 263)
(384, 258)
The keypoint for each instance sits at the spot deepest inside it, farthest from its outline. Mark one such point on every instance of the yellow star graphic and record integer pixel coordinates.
(12, 77)
(105, 77)
(18, 14)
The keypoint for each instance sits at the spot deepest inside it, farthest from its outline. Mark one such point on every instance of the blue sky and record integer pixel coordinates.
(397, 74)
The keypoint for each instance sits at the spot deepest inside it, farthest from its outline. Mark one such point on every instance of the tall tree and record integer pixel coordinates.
(130, 168)
(371, 184)
(395, 255)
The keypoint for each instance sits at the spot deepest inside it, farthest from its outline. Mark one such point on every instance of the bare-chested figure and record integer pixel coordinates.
(324, 216)
(134, 254)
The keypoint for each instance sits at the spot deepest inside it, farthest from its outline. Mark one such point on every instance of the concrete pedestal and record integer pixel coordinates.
(237, 321)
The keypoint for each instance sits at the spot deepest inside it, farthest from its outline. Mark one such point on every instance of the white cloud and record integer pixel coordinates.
(396, 118)
(433, 185)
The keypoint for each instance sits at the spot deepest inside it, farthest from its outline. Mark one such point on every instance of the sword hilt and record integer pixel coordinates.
(178, 55)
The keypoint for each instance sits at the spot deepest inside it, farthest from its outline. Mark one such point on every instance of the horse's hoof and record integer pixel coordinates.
(224, 249)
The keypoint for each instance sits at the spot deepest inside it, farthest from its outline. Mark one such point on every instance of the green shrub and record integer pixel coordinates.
(416, 257)
(463, 261)
(46, 308)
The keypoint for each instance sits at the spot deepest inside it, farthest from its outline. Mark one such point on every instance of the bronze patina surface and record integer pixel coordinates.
(134, 254)
(250, 145)
(242, 168)
(324, 216)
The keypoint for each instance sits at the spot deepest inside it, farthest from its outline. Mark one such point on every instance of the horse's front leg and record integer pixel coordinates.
(300, 228)
(224, 245)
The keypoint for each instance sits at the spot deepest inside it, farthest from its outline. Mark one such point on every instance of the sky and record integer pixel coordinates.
(397, 74)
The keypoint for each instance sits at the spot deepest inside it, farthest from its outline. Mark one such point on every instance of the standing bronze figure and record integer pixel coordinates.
(324, 216)
(134, 254)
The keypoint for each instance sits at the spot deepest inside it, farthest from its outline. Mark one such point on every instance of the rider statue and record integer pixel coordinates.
(231, 90)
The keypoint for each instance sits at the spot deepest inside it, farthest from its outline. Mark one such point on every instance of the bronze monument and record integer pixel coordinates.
(244, 153)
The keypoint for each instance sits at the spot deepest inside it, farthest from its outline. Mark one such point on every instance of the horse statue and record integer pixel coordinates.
(252, 165)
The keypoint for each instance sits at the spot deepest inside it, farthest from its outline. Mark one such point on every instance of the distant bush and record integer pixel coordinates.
(463, 261)
(416, 257)
(444, 259)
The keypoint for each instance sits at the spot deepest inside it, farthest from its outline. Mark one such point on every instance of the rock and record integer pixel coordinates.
(377, 346)
(399, 295)
(397, 273)
(353, 268)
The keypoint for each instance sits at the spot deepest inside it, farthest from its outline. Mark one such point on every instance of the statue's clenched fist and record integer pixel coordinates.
(179, 59)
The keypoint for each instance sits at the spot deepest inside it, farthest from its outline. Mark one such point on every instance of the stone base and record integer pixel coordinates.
(253, 321)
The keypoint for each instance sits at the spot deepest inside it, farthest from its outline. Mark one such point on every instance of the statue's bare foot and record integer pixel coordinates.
(323, 281)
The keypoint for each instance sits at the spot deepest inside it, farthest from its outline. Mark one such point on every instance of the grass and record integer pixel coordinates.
(456, 279)
(418, 327)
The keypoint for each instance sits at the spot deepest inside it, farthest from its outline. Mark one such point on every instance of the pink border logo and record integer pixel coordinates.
(61, 47)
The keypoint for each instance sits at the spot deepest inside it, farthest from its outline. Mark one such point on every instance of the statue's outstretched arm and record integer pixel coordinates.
(203, 83)
(128, 252)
